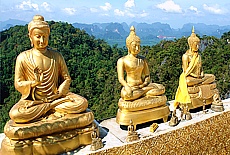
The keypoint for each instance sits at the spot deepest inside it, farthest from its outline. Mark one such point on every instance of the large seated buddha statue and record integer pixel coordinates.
(48, 119)
(195, 89)
(141, 101)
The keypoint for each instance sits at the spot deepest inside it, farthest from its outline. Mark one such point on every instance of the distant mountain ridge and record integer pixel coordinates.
(4, 25)
(154, 31)
(150, 31)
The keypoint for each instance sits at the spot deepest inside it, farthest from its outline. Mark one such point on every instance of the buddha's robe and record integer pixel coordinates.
(189, 76)
(137, 74)
(56, 79)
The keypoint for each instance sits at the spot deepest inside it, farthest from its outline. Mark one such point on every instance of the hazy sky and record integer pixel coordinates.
(174, 12)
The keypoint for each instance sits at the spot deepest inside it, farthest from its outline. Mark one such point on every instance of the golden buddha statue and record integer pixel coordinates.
(96, 141)
(48, 117)
(195, 89)
(141, 101)
(132, 134)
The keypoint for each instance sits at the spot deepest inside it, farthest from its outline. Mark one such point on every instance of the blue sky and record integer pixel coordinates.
(173, 12)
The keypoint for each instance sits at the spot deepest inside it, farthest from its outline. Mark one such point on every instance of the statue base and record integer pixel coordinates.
(202, 94)
(173, 121)
(199, 103)
(142, 116)
(50, 135)
(51, 144)
(96, 144)
(132, 137)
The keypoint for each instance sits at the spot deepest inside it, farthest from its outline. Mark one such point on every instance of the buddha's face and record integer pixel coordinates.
(195, 46)
(39, 38)
(135, 47)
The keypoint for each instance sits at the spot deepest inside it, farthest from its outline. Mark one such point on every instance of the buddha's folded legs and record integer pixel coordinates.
(76, 104)
(208, 78)
(21, 112)
(153, 89)
(135, 95)
(156, 89)
(27, 110)
(191, 81)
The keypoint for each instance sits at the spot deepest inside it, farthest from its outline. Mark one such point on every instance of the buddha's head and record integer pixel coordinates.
(39, 32)
(133, 42)
(193, 41)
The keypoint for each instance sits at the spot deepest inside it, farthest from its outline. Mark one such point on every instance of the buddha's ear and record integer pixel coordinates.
(31, 41)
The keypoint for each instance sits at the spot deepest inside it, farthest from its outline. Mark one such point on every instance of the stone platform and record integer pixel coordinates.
(205, 134)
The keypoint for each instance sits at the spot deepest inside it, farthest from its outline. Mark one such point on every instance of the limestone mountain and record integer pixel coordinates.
(154, 31)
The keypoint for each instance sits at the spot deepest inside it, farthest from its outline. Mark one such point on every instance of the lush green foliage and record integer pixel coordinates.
(92, 65)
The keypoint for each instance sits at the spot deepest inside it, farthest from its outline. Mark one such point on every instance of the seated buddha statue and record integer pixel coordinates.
(46, 107)
(195, 89)
(141, 101)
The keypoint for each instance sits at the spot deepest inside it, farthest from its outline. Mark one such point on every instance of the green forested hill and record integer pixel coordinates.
(92, 65)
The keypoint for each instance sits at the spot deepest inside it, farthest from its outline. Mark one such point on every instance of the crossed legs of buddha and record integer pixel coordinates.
(26, 110)
(153, 89)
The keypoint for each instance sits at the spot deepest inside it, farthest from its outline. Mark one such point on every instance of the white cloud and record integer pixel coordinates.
(119, 12)
(129, 4)
(70, 11)
(93, 10)
(130, 13)
(27, 5)
(169, 6)
(213, 9)
(192, 8)
(46, 6)
(106, 7)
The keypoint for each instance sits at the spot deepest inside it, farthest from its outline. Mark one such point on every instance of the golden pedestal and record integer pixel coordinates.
(199, 103)
(143, 116)
(49, 136)
(142, 110)
(51, 144)
(201, 94)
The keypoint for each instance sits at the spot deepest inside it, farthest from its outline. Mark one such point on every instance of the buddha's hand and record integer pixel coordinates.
(141, 85)
(38, 74)
(129, 91)
(195, 53)
(200, 77)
